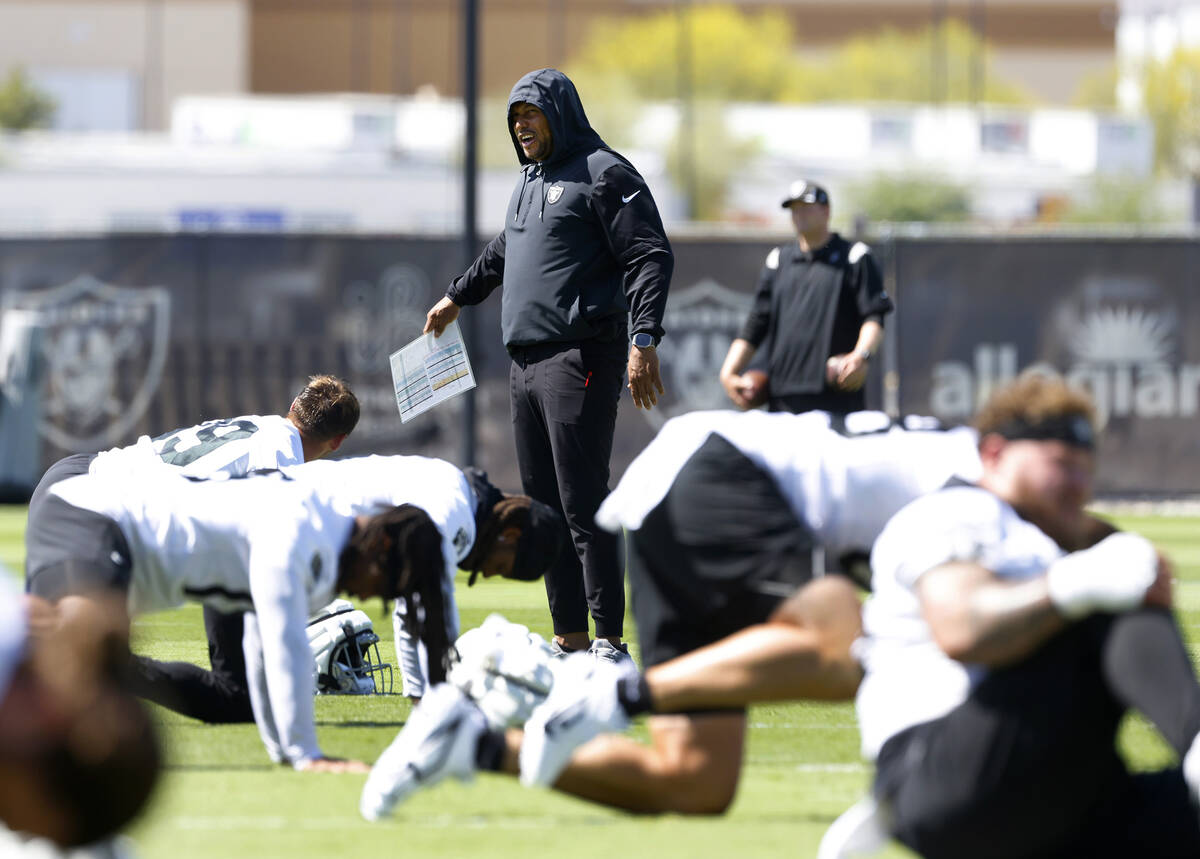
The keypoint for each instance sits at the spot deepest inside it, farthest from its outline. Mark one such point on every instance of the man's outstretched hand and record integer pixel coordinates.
(439, 316)
(334, 765)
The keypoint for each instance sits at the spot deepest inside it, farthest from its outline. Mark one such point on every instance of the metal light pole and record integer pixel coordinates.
(687, 124)
(470, 15)
(938, 84)
(402, 46)
(557, 33)
(978, 55)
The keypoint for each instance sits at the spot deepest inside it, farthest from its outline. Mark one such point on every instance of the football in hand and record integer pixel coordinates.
(756, 391)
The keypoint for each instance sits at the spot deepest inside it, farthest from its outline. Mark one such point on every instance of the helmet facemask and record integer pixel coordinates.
(346, 653)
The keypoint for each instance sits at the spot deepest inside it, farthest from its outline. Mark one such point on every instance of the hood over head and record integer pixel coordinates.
(552, 92)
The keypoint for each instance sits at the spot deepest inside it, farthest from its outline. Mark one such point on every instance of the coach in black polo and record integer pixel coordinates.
(583, 249)
(819, 306)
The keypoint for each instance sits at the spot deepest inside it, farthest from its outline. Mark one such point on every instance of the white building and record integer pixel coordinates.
(1151, 30)
(382, 164)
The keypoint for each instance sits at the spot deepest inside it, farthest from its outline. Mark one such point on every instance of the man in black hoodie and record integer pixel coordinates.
(585, 265)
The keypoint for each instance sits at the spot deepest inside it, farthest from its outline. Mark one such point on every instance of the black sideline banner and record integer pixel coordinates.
(103, 339)
(1118, 317)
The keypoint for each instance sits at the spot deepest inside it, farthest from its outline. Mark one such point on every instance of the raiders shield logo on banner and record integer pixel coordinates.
(701, 321)
(554, 194)
(102, 347)
(366, 319)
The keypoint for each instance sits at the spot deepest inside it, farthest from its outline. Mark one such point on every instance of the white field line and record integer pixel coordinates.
(274, 823)
(857, 767)
(811, 728)
(219, 823)
(1165, 507)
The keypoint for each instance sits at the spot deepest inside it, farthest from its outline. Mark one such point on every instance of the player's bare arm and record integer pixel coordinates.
(977, 617)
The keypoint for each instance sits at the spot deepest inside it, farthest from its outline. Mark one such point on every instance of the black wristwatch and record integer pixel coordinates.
(642, 340)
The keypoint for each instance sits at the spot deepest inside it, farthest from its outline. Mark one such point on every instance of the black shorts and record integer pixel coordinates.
(720, 552)
(69, 550)
(1027, 766)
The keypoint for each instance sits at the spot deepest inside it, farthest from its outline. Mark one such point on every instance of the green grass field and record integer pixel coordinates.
(221, 797)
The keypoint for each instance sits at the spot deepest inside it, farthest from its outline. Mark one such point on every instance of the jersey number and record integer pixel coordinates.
(199, 441)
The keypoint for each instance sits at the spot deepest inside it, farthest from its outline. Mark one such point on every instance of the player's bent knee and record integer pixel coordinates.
(828, 602)
(715, 799)
(700, 792)
(698, 767)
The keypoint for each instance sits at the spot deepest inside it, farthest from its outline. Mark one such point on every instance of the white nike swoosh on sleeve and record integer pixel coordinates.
(625, 199)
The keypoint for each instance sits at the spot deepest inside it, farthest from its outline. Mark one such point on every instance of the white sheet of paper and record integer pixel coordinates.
(430, 370)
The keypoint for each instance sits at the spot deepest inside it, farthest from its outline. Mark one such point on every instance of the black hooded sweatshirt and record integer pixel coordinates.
(583, 244)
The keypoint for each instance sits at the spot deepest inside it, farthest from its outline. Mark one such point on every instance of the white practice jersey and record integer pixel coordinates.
(909, 680)
(372, 484)
(14, 626)
(265, 544)
(232, 446)
(843, 485)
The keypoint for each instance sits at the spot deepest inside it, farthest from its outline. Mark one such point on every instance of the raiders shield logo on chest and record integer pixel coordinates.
(554, 194)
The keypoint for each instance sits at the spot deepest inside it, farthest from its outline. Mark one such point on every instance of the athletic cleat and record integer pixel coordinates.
(505, 669)
(602, 650)
(582, 703)
(439, 740)
(559, 651)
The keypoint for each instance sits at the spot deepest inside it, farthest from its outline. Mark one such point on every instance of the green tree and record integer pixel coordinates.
(495, 145)
(1171, 99)
(731, 54)
(907, 66)
(1115, 200)
(702, 169)
(735, 55)
(21, 105)
(1098, 90)
(910, 198)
